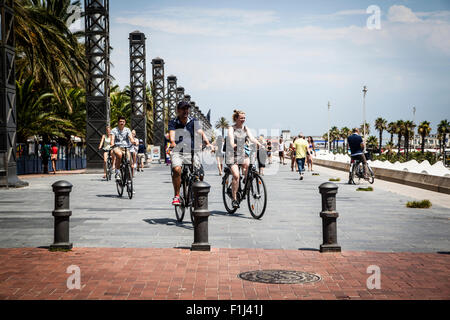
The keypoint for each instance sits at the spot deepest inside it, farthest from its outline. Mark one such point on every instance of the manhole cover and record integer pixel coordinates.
(279, 276)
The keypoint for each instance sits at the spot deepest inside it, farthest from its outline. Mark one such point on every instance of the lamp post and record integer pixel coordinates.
(329, 105)
(364, 114)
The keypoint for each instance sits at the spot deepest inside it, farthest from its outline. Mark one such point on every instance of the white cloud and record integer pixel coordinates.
(198, 21)
(399, 13)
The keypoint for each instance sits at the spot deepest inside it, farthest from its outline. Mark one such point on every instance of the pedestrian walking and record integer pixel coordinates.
(261, 156)
(281, 151)
(218, 150)
(45, 156)
(141, 155)
(309, 157)
(269, 151)
(54, 156)
(292, 155)
(301, 150)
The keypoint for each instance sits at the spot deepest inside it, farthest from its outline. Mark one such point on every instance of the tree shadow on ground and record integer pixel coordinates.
(224, 213)
(111, 196)
(309, 249)
(170, 222)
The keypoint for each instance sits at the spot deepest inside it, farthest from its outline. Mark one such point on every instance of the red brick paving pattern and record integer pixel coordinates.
(132, 273)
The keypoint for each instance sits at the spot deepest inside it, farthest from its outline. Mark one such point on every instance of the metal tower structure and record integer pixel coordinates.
(172, 96)
(97, 86)
(8, 119)
(158, 104)
(180, 94)
(137, 84)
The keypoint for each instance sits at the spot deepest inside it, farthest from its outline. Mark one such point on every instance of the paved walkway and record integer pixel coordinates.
(368, 221)
(131, 273)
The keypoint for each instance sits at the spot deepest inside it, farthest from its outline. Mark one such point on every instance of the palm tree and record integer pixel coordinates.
(345, 133)
(34, 116)
(389, 146)
(392, 129)
(46, 48)
(325, 138)
(223, 124)
(334, 136)
(367, 128)
(400, 125)
(443, 129)
(120, 105)
(424, 130)
(372, 142)
(380, 125)
(409, 131)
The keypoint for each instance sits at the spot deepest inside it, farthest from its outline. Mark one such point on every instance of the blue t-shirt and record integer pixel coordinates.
(354, 141)
(183, 132)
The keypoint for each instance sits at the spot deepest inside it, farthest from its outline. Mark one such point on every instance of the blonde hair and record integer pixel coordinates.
(236, 114)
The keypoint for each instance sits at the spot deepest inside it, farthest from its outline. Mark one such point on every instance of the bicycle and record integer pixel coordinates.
(125, 176)
(254, 189)
(109, 167)
(189, 175)
(356, 172)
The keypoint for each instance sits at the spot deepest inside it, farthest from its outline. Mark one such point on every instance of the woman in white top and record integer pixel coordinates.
(105, 144)
(133, 152)
(281, 151)
(237, 136)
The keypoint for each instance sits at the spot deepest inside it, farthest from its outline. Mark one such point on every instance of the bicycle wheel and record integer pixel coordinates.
(226, 193)
(119, 184)
(180, 210)
(371, 178)
(191, 203)
(257, 197)
(129, 182)
(356, 176)
(108, 169)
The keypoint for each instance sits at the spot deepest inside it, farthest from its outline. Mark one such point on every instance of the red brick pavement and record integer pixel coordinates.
(131, 273)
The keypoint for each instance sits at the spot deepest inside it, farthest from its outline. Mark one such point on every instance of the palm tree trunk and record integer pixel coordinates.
(423, 143)
(381, 141)
(392, 137)
(223, 132)
(399, 143)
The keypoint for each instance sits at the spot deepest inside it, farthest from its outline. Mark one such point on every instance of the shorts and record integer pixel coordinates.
(125, 150)
(141, 157)
(281, 153)
(54, 157)
(177, 159)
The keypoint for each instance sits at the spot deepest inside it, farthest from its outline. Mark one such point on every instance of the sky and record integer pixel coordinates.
(282, 61)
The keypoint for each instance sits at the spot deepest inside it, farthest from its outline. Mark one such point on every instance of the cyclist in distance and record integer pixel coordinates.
(121, 138)
(356, 144)
(186, 137)
(236, 155)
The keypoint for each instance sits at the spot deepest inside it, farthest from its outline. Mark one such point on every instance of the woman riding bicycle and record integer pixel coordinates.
(236, 155)
(105, 144)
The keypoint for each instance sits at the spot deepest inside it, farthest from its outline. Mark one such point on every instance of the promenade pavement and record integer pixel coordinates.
(373, 221)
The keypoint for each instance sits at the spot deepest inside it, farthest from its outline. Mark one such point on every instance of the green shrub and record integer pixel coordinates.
(365, 189)
(424, 204)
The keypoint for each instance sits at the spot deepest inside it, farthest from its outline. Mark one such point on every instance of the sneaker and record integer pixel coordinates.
(301, 177)
(235, 204)
(176, 201)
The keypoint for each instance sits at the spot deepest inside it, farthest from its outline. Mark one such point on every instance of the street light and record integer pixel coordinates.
(364, 114)
(329, 105)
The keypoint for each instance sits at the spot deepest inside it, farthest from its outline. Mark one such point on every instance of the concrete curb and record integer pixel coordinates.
(419, 180)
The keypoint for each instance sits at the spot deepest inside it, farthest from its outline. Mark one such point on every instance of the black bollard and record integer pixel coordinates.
(329, 215)
(62, 215)
(201, 215)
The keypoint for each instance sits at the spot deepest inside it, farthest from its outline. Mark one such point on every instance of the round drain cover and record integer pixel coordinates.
(279, 276)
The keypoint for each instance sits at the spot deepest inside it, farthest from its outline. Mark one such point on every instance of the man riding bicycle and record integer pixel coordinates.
(357, 146)
(184, 134)
(121, 139)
